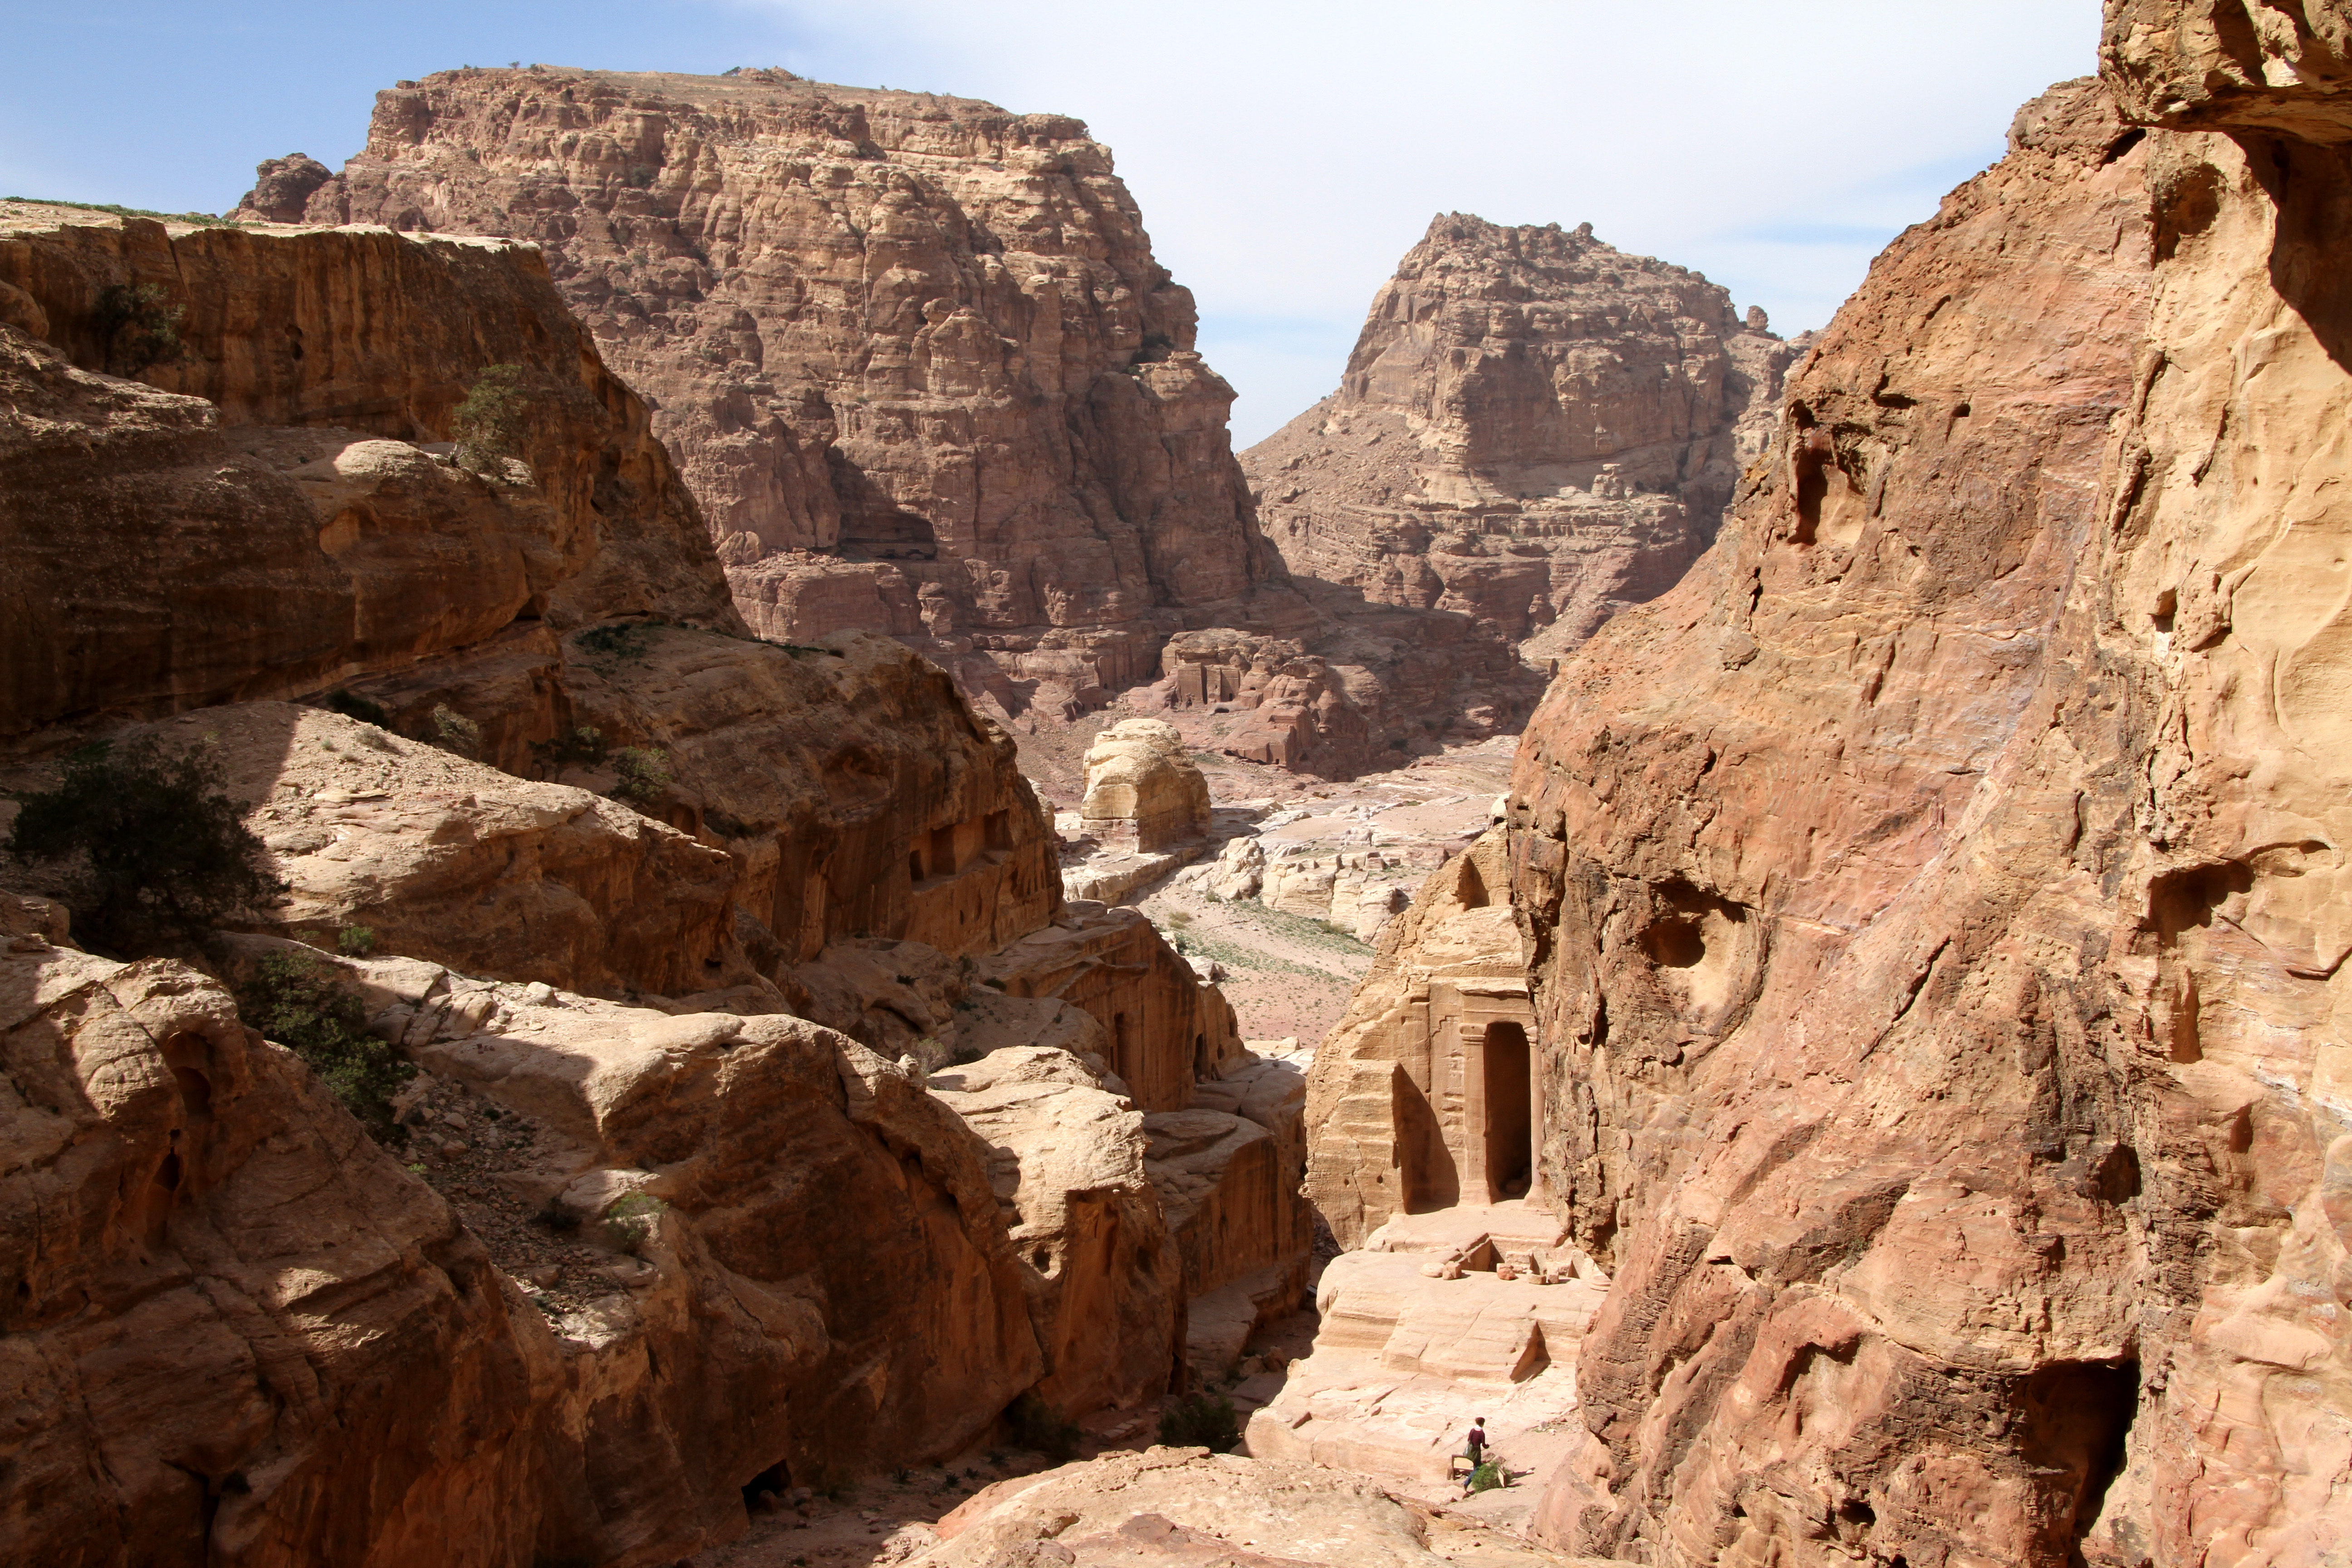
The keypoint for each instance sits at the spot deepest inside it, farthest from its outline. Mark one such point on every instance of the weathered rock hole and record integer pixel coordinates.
(2177, 900)
(2077, 1419)
(2123, 145)
(195, 1090)
(1675, 942)
(776, 1479)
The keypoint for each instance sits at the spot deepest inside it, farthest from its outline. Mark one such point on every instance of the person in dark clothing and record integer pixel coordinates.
(1474, 1445)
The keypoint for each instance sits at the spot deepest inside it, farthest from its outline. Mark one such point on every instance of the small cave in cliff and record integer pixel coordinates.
(2177, 901)
(776, 1480)
(2075, 1419)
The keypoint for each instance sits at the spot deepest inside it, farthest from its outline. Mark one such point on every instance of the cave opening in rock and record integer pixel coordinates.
(776, 1478)
(1510, 1157)
(2077, 1423)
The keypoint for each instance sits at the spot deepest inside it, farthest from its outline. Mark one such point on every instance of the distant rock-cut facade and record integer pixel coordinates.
(1534, 430)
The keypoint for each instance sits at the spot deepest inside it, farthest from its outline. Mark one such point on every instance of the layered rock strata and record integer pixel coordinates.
(1930, 901)
(641, 1159)
(284, 447)
(915, 358)
(912, 351)
(1534, 430)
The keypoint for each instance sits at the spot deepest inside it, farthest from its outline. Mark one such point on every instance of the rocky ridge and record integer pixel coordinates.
(603, 1241)
(1534, 430)
(918, 365)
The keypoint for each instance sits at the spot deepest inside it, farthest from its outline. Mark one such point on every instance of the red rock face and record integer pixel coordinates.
(1535, 429)
(1934, 912)
(913, 352)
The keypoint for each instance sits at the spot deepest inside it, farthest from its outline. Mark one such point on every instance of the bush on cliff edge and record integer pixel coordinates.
(295, 1002)
(153, 851)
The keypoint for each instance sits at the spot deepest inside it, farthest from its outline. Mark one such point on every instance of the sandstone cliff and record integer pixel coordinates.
(915, 361)
(1931, 902)
(1534, 430)
(913, 352)
(597, 969)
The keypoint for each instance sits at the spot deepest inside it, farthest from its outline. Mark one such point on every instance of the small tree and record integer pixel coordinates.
(639, 775)
(488, 423)
(293, 1001)
(138, 326)
(155, 851)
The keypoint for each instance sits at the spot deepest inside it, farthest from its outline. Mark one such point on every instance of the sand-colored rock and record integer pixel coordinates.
(2282, 67)
(1534, 430)
(1171, 1505)
(1425, 1095)
(1165, 1028)
(282, 452)
(1471, 1313)
(1931, 912)
(813, 1271)
(235, 1329)
(912, 351)
(1143, 791)
(1106, 1278)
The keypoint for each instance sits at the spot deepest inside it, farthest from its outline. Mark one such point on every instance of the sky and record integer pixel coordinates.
(1285, 152)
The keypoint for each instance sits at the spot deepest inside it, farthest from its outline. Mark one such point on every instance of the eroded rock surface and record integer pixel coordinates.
(1534, 430)
(1930, 900)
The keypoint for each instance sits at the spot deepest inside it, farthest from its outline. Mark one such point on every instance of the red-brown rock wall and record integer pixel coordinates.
(1933, 916)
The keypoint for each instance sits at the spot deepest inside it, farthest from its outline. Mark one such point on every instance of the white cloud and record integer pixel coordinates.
(1285, 152)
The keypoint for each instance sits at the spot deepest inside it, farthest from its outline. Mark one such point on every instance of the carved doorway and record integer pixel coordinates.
(1509, 1119)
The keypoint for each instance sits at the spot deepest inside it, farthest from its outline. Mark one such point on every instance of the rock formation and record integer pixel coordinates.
(1142, 791)
(917, 364)
(622, 863)
(1534, 430)
(1167, 1507)
(913, 352)
(1931, 903)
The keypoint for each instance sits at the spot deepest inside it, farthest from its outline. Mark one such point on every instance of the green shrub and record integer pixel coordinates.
(453, 731)
(639, 773)
(138, 326)
(1485, 1479)
(583, 748)
(631, 1218)
(626, 641)
(352, 705)
(488, 423)
(154, 849)
(295, 1002)
(1201, 1421)
(355, 942)
(1035, 1425)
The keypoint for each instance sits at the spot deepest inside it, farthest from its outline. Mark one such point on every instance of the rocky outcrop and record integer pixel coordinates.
(1142, 791)
(1930, 900)
(1534, 430)
(1106, 1281)
(616, 843)
(1167, 1507)
(284, 449)
(236, 1329)
(913, 352)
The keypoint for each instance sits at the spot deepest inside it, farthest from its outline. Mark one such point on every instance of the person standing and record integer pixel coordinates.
(1474, 1445)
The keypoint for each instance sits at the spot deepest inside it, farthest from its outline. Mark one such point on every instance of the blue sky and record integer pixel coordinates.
(1285, 152)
